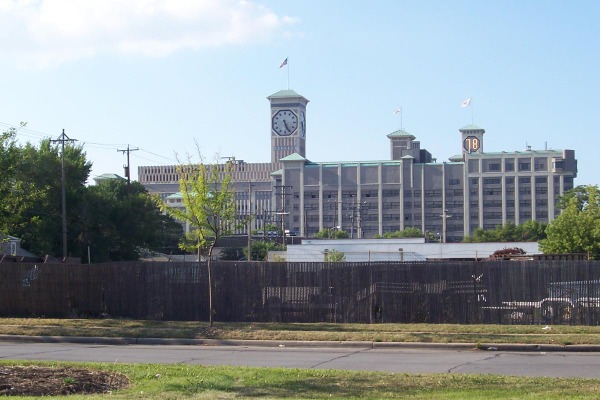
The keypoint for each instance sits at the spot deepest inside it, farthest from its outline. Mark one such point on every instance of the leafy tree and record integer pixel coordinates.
(32, 205)
(231, 253)
(335, 256)
(209, 200)
(529, 231)
(115, 224)
(332, 233)
(120, 223)
(577, 228)
(410, 232)
(259, 249)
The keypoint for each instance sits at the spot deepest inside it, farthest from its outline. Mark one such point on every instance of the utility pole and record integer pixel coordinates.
(127, 168)
(250, 214)
(444, 215)
(63, 138)
(282, 213)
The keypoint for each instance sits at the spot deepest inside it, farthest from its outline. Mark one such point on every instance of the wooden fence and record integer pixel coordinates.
(506, 292)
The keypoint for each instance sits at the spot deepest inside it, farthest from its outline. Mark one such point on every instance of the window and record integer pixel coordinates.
(493, 191)
(525, 179)
(494, 167)
(559, 164)
(541, 190)
(541, 179)
(509, 166)
(524, 166)
(510, 180)
(491, 181)
(474, 181)
(454, 182)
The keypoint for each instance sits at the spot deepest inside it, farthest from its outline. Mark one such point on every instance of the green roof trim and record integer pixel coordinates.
(457, 157)
(278, 172)
(108, 176)
(471, 127)
(401, 134)
(293, 157)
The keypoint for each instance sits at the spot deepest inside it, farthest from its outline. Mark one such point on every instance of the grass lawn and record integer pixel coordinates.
(433, 333)
(197, 382)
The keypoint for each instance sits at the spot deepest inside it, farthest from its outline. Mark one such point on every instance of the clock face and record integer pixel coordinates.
(471, 143)
(302, 124)
(284, 122)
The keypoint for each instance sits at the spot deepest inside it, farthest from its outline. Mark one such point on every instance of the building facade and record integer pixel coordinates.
(366, 198)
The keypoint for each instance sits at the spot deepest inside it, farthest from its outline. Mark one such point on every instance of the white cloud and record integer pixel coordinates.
(51, 32)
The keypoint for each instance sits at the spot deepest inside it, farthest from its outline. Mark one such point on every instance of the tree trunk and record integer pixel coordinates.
(210, 296)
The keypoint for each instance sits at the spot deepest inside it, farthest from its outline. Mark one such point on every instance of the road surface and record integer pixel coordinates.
(410, 360)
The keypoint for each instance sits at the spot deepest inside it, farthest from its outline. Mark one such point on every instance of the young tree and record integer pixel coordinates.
(577, 228)
(209, 207)
(335, 256)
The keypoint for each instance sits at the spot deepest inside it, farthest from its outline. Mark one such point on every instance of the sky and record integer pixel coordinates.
(161, 75)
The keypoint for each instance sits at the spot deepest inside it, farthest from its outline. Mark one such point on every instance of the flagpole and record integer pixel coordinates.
(472, 112)
(288, 71)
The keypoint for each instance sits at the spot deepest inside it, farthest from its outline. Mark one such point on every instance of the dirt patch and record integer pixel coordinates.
(50, 381)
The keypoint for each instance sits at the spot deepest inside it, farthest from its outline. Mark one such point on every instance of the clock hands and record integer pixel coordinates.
(286, 127)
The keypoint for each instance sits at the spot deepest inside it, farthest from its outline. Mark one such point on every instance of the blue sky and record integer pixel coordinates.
(159, 75)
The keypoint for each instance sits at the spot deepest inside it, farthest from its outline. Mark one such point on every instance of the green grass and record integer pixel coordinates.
(167, 382)
(432, 333)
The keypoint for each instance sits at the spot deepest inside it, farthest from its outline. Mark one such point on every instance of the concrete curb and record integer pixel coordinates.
(301, 344)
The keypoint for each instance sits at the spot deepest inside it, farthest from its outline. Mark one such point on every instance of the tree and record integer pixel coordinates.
(335, 256)
(260, 249)
(577, 228)
(529, 231)
(231, 253)
(119, 223)
(31, 200)
(332, 233)
(410, 232)
(209, 201)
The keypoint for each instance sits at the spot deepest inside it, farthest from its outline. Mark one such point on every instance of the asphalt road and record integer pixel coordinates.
(410, 360)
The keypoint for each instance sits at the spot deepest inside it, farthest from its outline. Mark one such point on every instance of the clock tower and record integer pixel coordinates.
(472, 139)
(288, 124)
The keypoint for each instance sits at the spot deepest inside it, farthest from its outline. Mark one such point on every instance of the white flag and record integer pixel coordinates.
(283, 63)
(466, 103)
(397, 111)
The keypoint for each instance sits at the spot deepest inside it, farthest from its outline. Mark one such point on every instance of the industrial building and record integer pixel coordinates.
(366, 198)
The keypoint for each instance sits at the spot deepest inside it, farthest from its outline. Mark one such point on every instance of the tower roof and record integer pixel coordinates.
(471, 127)
(401, 134)
(282, 94)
